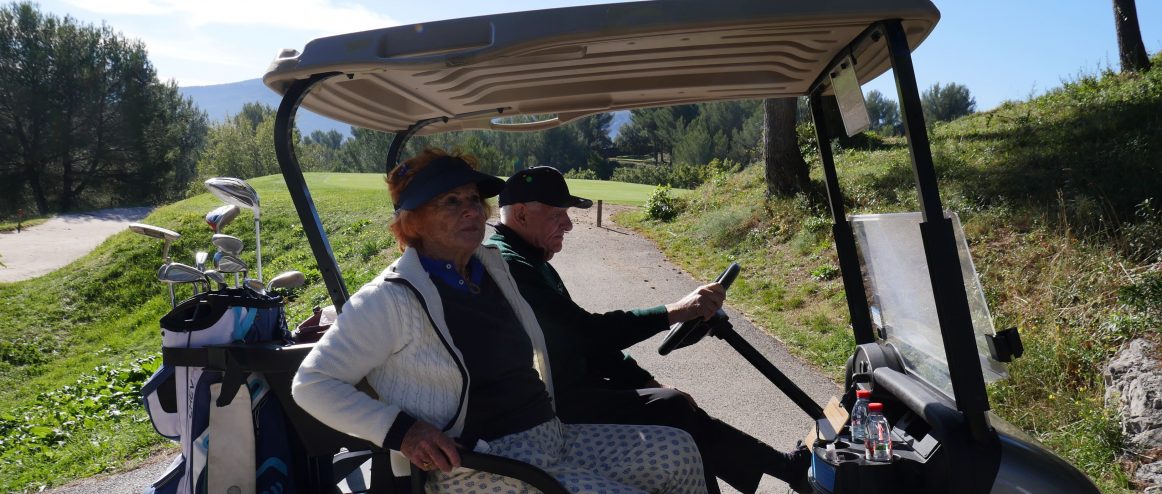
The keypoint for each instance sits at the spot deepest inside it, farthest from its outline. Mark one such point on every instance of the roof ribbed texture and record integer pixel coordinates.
(575, 61)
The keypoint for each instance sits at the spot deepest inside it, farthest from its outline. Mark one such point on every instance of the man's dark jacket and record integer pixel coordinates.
(585, 349)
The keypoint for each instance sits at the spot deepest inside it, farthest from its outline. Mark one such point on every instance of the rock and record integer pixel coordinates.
(1134, 388)
(1150, 473)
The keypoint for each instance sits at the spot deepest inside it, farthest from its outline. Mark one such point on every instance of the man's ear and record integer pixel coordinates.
(520, 212)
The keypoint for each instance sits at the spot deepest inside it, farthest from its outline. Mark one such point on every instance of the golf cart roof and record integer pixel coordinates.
(572, 62)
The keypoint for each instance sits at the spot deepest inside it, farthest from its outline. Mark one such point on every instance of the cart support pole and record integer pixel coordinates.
(841, 229)
(401, 139)
(944, 268)
(292, 174)
(727, 333)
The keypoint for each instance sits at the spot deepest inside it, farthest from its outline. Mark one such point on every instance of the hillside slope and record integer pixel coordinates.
(1058, 197)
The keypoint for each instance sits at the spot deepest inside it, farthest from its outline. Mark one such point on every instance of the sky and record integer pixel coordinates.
(999, 49)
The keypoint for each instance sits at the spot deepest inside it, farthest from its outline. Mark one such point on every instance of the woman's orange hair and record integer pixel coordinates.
(406, 225)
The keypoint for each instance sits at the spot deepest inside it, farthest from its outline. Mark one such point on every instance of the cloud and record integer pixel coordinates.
(316, 16)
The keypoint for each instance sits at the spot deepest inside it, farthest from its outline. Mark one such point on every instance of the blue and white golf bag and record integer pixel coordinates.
(232, 429)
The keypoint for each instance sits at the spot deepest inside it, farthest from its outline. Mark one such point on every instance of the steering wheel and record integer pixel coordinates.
(690, 332)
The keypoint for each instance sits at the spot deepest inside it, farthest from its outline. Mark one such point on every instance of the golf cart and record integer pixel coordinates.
(925, 344)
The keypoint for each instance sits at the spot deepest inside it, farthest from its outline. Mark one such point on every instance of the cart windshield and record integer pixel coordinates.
(903, 308)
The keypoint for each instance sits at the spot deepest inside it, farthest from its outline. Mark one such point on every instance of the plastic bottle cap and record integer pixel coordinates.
(875, 407)
(862, 393)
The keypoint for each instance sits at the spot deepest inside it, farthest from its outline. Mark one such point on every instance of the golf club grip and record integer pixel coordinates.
(727, 277)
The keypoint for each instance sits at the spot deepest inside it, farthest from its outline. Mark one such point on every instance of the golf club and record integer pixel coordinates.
(200, 263)
(239, 193)
(229, 263)
(158, 232)
(286, 279)
(215, 276)
(176, 272)
(221, 216)
(226, 243)
(254, 285)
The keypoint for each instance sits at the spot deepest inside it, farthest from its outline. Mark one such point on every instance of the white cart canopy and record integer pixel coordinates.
(572, 62)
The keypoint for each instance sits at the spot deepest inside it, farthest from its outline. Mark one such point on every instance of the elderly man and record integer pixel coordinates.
(594, 380)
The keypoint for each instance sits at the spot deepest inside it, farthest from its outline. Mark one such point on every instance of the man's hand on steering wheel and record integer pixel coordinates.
(689, 316)
(701, 303)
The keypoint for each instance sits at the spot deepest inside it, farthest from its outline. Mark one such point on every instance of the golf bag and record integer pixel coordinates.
(232, 429)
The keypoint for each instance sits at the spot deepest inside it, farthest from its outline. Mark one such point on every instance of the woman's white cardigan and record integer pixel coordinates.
(401, 344)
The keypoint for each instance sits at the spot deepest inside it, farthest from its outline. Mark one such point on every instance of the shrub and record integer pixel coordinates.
(582, 173)
(826, 272)
(725, 227)
(662, 205)
(1143, 239)
(679, 175)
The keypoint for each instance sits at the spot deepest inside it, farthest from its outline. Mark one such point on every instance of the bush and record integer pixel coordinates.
(661, 205)
(582, 173)
(678, 175)
(1144, 296)
(1143, 239)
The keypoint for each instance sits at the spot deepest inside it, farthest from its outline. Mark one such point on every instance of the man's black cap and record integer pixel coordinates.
(542, 184)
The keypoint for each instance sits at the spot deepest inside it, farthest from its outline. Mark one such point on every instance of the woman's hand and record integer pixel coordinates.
(428, 448)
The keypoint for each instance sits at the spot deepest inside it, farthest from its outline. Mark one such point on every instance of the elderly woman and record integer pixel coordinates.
(458, 360)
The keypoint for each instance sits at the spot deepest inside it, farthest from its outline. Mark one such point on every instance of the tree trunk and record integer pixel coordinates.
(786, 171)
(1130, 47)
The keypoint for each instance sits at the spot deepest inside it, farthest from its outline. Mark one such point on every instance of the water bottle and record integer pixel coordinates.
(878, 443)
(859, 415)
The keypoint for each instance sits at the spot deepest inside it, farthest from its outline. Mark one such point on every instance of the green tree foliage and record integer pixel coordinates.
(694, 134)
(330, 139)
(84, 120)
(595, 131)
(364, 152)
(884, 114)
(946, 103)
(243, 145)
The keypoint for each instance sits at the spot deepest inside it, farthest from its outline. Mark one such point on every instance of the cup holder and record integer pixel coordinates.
(847, 456)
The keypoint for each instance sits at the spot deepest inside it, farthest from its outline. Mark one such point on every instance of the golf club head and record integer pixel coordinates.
(156, 232)
(217, 278)
(286, 279)
(200, 259)
(221, 216)
(227, 243)
(255, 285)
(228, 263)
(176, 272)
(234, 191)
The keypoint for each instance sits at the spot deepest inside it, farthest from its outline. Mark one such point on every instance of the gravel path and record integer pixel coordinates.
(55, 243)
(609, 268)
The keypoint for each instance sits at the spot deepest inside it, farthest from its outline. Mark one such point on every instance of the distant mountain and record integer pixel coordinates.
(221, 101)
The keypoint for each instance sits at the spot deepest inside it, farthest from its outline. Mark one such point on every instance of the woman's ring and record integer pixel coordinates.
(426, 464)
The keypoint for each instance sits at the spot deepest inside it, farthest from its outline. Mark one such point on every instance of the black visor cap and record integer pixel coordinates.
(440, 176)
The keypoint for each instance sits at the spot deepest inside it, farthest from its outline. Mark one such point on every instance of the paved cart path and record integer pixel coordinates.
(51, 245)
(612, 268)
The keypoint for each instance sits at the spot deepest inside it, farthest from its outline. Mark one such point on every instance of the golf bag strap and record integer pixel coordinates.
(212, 359)
(272, 356)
